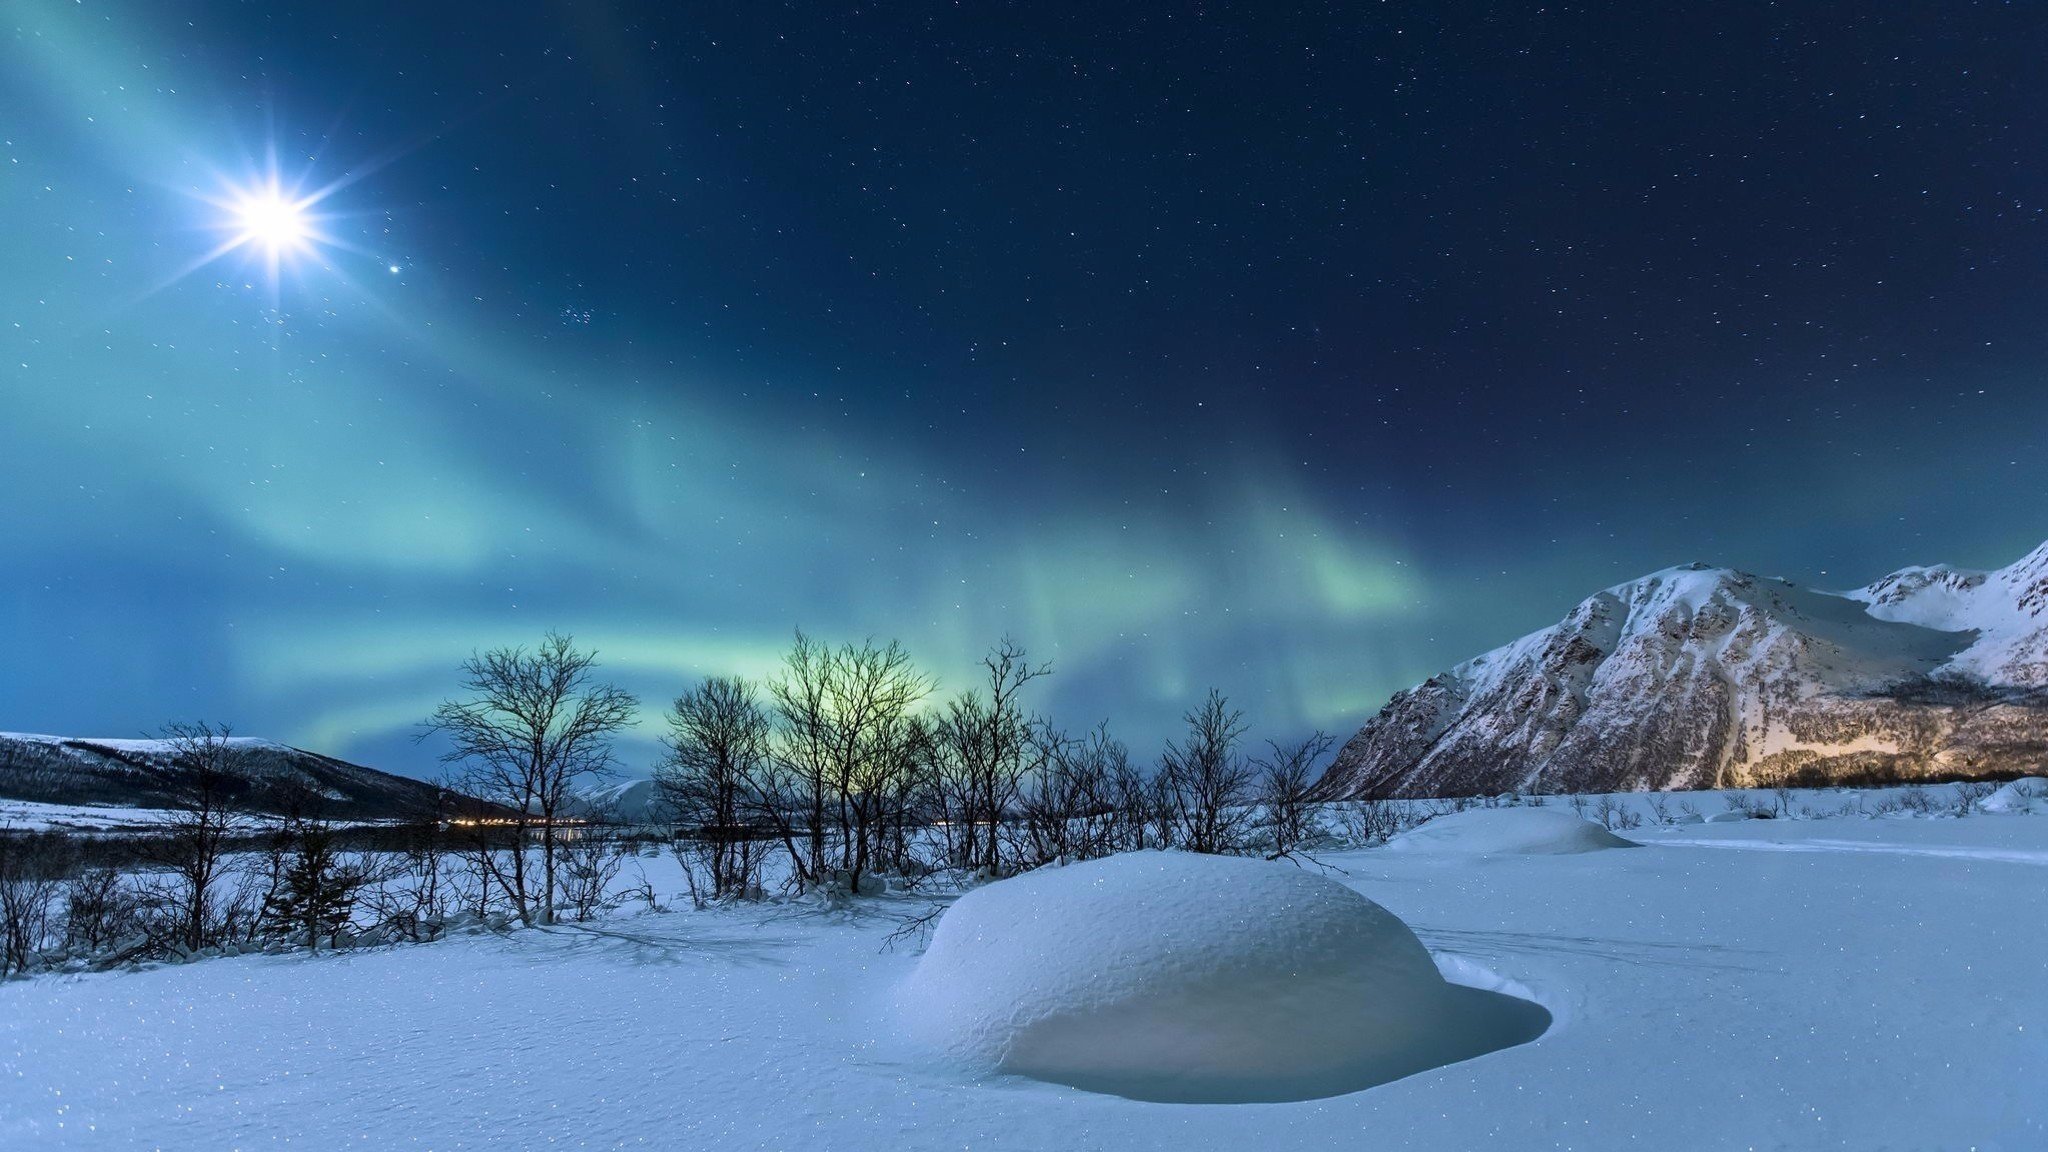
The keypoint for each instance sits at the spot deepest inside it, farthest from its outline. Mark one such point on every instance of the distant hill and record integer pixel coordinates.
(142, 774)
(627, 801)
(1700, 677)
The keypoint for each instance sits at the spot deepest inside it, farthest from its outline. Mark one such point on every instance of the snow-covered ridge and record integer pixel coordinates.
(2008, 609)
(1701, 677)
(141, 747)
(145, 774)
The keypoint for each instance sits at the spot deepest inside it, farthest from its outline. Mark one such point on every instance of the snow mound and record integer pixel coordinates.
(1507, 831)
(1175, 977)
(2016, 795)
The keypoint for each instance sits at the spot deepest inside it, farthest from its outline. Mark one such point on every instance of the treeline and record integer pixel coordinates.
(847, 768)
(843, 771)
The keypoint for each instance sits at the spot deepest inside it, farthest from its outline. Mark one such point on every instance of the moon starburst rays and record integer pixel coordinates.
(273, 222)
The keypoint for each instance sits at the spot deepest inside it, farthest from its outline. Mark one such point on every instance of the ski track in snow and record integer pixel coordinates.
(2000, 855)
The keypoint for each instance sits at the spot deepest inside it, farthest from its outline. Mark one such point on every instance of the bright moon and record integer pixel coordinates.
(275, 221)
(269, 219)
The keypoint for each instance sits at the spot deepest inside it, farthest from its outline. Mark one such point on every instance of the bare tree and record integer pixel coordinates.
(591, 858)
(1162, 811)
(1286, 777)
(985, 747)
(412, 893)
(1365, 823)
(1744, 803)
(909, 802)
(955, 750)
(713, 784)
(798, 785)
(533, 726)
(1970, 793)
(1071, 804)
(1206, 782)
(206, 816)
(1614, 815)
(1660, 807)
(844, 738)
(1130, 804)
(485, 850)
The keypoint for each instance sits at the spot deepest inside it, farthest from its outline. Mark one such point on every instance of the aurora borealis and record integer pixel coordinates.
(1303, 354)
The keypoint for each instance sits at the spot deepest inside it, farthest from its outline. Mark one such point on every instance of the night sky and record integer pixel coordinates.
(1301, 353)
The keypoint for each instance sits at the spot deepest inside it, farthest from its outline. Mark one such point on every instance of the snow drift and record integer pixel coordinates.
(1176, 977)
(2016, 795)
(1508, 831)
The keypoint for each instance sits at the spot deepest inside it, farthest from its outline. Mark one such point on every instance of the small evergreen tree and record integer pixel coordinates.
(317, 894)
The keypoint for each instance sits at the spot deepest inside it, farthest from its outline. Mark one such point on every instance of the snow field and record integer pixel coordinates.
(1835, 983)
(1507, 831)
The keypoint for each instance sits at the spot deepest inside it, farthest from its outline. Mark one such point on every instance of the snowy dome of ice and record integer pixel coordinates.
(1508, 831)
(1180, 977)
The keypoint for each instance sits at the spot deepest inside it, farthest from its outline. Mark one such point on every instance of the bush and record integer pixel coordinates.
(32, 872)
(101, 909)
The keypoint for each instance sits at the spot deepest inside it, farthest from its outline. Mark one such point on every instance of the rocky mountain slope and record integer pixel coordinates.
(143, 774)
(1701, 677)
(2007, 609)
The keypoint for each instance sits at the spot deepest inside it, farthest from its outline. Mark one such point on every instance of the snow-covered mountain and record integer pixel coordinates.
(631, 801)
(144, 774)
(1700, 677)
(2007, 609)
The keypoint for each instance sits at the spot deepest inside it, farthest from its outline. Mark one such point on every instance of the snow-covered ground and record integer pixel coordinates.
(1830, 983)
(35, 816)
(99, 819)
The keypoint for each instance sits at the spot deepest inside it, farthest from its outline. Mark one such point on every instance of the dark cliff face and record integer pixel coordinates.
(270, 777)
(1698, 677)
